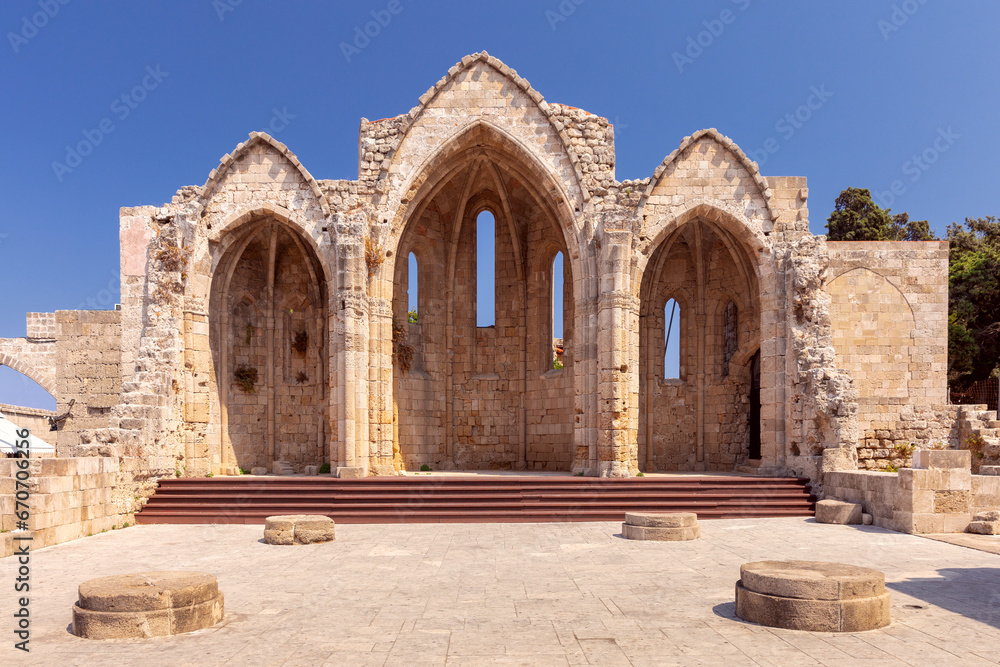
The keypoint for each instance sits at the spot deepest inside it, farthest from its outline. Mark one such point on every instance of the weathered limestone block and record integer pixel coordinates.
(661, 526)
(989, 470)
(942, 459)
(837, 511)
(350, 472)
(147, 604)
(814, 596)
(312, 471)
(298, 529)
(985, 523)
(258, 470)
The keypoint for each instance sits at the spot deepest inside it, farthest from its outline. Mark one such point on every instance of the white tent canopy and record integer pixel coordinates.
(9, 438)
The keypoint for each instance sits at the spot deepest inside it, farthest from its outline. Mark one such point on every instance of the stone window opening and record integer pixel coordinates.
(671, 340)
(558, 311)
(413, 290)
(486, 315)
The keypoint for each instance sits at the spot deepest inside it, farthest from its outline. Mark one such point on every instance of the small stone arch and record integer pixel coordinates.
(45, 381)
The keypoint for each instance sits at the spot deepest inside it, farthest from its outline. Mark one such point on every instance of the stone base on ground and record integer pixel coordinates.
(837, 511)
(661, 526)
(807, 595)
(298, 529)
(147, 604)
(985, 523)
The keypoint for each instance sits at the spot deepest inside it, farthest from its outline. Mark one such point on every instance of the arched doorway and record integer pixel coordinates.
(484, 389)
(269, 345)
(696, 386)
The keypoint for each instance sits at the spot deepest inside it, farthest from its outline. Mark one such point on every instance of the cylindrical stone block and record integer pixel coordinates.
(815, 596)
(147, 604)
(661, 526)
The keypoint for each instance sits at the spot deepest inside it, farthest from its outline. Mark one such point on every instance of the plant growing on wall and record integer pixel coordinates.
(301, 377)
(300, 342)
(246, 378)
(402, 353)
(374, 255)
(412, 316)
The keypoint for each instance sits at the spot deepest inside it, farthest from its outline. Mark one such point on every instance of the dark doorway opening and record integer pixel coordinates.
(753, 425)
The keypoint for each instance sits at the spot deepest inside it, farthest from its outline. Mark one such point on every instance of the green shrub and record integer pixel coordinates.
(325, 468)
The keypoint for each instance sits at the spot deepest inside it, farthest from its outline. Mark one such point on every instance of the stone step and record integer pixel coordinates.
(497, 499)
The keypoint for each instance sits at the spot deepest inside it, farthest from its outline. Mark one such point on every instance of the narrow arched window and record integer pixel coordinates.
(672, 340)
(558, 309)
(413, 290)
(485, 270)
(730, 337)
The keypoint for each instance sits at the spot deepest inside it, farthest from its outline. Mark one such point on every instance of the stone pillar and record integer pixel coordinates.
(617, 318)
(936, 494)
(349, 335)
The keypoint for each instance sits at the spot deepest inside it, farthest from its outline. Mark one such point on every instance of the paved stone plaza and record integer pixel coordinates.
(523, 594)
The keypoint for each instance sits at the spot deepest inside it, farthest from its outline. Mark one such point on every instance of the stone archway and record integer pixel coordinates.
(701, 419)
(484, 397)
(268, 336)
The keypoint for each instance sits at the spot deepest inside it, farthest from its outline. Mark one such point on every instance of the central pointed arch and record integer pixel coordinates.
(485, 397)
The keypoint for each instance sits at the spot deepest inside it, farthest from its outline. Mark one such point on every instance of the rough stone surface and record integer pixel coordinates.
(517, 593)
(662, 519)
(836, 511)
(258, 470)
(148, 604)
(985, 523)
(816, 596)
(298, 529)
(679, 534)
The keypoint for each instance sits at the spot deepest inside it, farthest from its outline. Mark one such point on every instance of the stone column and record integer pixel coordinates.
(617, 317)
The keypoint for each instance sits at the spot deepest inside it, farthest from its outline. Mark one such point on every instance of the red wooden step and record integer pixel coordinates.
(472, 499)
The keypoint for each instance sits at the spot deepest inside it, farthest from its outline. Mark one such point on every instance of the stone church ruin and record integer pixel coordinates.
(265, 314)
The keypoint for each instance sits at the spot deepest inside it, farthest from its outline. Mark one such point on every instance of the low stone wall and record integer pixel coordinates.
(69, 498)
(938, 495)
(985, 493)
(876, 492)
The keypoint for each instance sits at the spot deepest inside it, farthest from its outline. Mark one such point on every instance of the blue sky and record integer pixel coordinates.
(887, 82)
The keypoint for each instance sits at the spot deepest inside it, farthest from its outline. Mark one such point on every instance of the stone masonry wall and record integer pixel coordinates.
(889, 312)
